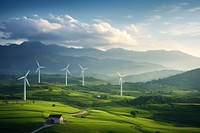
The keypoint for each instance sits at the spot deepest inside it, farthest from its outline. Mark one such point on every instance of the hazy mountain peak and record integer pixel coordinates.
(32, 43)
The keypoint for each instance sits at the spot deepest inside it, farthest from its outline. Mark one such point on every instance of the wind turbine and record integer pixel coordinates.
(82, 74)
(121, 82)
(66, 72)
(38, 70)
(25, 81)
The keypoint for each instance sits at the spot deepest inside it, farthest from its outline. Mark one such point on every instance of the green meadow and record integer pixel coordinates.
(25, 116)
(157, 112)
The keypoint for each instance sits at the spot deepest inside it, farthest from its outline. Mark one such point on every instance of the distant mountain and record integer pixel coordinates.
(144, 77)
(172, 59)
(186, 80)
(20, 58)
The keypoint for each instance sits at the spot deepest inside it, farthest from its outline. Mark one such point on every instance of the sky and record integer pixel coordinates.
(138, 25)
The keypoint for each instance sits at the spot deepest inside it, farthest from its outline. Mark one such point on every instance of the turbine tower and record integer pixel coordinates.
(66, 72)
(82, 74)
(25, 81)
(121, 82)
(38, 70)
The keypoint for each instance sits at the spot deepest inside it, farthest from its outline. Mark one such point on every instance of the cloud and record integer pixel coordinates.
(189, 29)
(4, 35)
(133, 28)
(179, 17)
(128, 17)
(170, 8)
(153, 18)
(174, 8)
(67, 30)
(196, 9)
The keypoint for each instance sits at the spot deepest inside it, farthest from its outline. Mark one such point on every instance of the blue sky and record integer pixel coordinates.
(138, 25)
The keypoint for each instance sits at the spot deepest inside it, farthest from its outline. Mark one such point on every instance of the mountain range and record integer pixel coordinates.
(20, 58)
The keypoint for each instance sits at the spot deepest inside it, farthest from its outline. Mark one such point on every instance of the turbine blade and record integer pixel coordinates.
(68, 72)
(27, 81)
(119, 74)
(82, 73)
(37, 63)
(63, 69)
(42, 67)
(80, 66)
(85, 69)
(21, 78)
(68, 65)
(37, 70)
(123, 76)
(27, 73)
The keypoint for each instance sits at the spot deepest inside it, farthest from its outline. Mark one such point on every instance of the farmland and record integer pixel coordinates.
(106, 114)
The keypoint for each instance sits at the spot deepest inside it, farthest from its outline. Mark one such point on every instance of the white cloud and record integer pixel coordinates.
(65, 29)
(196, 9)
(128, 17)
(189, 29)
(174, 8)
(170, 8)
(113, 35)
(4, 35)
(153, 18)
(71, 41)
(179, 17)
(132, 28)
(45, 25)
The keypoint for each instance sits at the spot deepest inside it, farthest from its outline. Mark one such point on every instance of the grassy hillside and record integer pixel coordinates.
(187, 80)
(19, 116)
(166, 110)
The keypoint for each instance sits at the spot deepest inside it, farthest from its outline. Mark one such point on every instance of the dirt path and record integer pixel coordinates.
(45, 126)
(80, 113)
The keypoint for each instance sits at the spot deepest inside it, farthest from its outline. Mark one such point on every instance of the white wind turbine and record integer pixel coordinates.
(25, 81)
(38, 70)
(82, 74)
(66, 72)
(121, 82)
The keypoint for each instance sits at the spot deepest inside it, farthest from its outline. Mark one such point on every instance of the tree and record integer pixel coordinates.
(134, 113)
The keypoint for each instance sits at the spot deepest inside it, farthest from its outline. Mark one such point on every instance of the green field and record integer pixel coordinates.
(20, 116)
(110, 113)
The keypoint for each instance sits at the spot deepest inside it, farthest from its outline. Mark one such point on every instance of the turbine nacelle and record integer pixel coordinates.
(83, 69)
(120, 77)
(66, 69)
(25, 78)
(39, 67)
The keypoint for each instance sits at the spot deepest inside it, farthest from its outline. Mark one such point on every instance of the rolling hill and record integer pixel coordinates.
(144, 77)
(186, 80)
